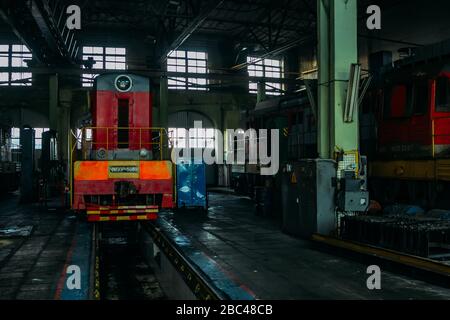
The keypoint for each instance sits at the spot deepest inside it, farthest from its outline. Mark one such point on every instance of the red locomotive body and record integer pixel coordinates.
(412, 161)
(122, 175)
(415, 119)
(132, 114)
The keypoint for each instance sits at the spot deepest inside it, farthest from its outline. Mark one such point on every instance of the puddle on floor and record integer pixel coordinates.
(117, 240)
(4, 243)
(16, 231)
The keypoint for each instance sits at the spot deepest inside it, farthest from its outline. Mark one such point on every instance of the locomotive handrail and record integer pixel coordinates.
(84, 140)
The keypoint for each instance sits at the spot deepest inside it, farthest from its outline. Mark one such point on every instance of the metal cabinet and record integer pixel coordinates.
(308, 197)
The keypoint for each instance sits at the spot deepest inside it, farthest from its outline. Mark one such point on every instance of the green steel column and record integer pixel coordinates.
(337, 40)
(53, 89)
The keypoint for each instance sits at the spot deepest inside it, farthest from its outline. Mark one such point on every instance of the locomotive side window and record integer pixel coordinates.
(396, 102)
(420, 97)
(443, 94)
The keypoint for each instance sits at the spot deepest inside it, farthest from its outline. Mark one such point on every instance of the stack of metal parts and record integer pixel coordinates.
(422, 236)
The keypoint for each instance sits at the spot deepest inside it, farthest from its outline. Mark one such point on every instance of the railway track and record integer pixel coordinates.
(121, 270)
(153, 261)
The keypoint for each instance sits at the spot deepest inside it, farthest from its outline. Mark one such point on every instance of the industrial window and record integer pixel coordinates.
(15, 137)
(186, 63)
(105, 58)
(265, 68)
(198, 138)
(38, 137)
(15, 56)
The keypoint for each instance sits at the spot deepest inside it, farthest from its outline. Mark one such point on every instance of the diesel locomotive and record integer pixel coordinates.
(118, 167)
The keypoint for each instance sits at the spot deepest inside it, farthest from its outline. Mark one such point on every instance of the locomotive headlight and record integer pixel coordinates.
(143, 153)
(101, 154)
(123, 83)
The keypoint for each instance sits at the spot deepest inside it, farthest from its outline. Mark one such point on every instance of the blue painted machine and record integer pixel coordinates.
(191, 184)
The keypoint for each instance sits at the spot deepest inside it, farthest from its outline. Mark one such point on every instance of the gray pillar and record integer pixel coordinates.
(291, 68)
(64, 125)
(53, 101)
(261, 93)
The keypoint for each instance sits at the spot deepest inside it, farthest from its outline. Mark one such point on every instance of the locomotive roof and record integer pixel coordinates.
(422, 70)
(430, 59)
(106, 81)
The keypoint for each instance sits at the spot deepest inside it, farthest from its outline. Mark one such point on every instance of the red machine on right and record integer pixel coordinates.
(412, 161)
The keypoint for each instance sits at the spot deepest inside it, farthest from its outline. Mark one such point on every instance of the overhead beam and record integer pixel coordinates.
(274, 52)
(191, 28)
(43, 16)
(34, 24)
(7, 13)
(243, 23)
(213, 75)
(282, 22)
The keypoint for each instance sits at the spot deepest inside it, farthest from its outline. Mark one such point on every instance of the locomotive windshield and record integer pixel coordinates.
(405, 100)
(443, 94)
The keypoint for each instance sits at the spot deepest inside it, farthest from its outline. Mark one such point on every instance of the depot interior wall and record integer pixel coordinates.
(23, 105)
(418, 22)
(415, 22)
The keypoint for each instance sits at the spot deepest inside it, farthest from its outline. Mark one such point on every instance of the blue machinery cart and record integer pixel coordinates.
(191, 185)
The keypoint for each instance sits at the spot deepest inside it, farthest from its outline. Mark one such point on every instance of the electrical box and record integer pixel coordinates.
(354, 201)
(353, 195)
(308, 197)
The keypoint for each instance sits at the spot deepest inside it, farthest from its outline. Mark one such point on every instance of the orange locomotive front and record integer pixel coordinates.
(121, 174)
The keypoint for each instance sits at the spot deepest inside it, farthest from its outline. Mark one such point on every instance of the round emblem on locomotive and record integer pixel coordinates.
(123, 83)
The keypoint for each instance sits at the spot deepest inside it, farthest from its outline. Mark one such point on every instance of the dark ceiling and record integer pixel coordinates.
(262, 25)
(264, 22)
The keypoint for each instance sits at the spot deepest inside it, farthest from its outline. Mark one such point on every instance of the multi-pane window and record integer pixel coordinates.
(38, 137)
(105, 58)
(265, 68)
(15, 56)
(15, 137)
(192, 138)
(186, 63)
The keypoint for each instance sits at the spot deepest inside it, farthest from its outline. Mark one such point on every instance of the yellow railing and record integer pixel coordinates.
(88, 142)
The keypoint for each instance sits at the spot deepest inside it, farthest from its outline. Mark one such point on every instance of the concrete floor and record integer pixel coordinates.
(34, 243)
(251, 250)
(273, 265)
